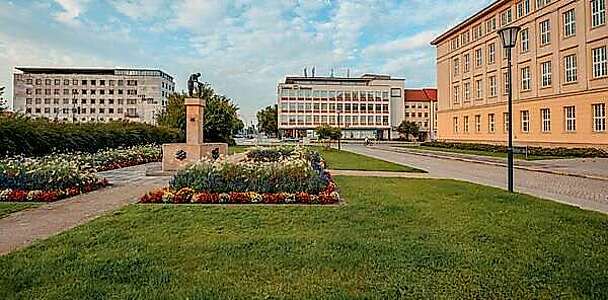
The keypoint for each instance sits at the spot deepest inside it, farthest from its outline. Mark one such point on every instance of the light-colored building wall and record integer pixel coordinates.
(91, 95)
(421, 107)
(572, 49)
(363, 107)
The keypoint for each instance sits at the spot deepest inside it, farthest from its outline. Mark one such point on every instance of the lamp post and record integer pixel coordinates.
(508, 36)
(339, 126)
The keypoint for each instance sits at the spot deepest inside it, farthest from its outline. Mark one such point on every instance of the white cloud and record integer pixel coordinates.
(417, 41)
(140, 9)
(71, 11)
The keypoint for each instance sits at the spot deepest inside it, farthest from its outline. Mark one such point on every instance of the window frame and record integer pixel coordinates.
(570, 118)
(570, 68)
(545, 116)
(525, 121)
(599, 121)
(569, 24)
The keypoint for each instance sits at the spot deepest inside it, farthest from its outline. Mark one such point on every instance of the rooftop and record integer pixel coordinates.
(362, 79)
(424, 95)
(94, 71)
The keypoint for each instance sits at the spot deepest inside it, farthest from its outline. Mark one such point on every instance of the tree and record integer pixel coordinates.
(2, 101)
(408, 128)
(326, 132)
(268, 120)
(221, 119)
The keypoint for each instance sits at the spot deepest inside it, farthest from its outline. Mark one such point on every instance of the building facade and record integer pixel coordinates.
(370, 106)
(560, 75)
(421, 108)
(91, 95)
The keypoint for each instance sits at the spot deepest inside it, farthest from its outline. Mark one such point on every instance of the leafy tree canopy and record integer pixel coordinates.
(408, 128)
(268, 120)
(221, 119)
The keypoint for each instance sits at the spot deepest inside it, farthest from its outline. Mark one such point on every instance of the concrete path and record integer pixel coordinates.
(23, 228)
(582, 192)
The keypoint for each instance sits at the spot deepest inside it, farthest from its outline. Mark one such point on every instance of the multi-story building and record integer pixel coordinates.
(97, 95)
(366, 107)
(421, 108)
(560, 74)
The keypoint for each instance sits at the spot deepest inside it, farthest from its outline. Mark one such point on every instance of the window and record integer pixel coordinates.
(491, 123)
(479, 88)
(456, 94)
(478, 57)
(541, 3)
(467, 91)
(545, 32)
(507, 80)
(506, 17)
(523, 8)
(490, 25)
(47, 82)
(456, 66)
(569, 23)
(545, 74)
(599, 117)
(491, 53)
(477, 32)
(492, 80)
(505, 120)
(465, 124)
(545, 114)
(570, 68)
(455, 124)
(526, 79)
(570, 114)
(598, 13)
(600, 62)
(477, 123)
(525, 121)
(467, 62)
(525, 40)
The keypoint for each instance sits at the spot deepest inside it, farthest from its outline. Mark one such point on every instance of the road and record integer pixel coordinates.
(582, 192)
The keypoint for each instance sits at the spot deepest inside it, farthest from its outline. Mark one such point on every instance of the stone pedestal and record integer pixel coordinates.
(178, 156)
(174, 160)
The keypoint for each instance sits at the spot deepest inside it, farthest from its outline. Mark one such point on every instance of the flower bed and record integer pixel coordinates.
(54, 177)
(267, 176)
(19, 195)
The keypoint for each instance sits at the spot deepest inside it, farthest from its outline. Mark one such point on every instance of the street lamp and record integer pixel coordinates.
(508, 35)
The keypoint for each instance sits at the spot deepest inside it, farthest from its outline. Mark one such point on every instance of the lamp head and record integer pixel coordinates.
(508, 35)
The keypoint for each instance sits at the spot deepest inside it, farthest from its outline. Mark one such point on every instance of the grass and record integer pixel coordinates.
(484, 153)
(344, 160)
(9, 208)
(395, 238)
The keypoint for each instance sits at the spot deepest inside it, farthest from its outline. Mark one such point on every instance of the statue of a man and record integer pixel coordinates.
(194, 83)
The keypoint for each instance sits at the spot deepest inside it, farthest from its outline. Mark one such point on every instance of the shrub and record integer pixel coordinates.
(35, 137)
(535, 151)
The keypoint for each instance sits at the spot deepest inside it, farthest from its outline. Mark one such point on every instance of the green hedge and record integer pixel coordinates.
(535, 151)
(34, 137)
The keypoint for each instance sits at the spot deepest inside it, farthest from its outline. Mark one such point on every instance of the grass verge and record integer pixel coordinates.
(344, 160)
(416, 238)
(9, 208)
(483, 153)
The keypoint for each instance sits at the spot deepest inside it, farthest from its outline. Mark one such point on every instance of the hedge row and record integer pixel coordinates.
(34, 137)
(534, 151)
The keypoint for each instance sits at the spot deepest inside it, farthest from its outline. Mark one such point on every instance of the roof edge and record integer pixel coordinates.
(467, 21)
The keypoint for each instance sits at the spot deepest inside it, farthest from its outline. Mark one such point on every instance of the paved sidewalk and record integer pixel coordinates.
(582, 192)
(23, 228)
(592, 168)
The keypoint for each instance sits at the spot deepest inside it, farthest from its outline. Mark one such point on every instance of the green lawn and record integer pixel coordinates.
(394, 237)
(237, 149)
(344, 160)
(8, 208)
(484, 153)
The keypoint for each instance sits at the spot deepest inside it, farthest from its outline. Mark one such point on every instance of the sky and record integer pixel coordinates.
(243, 48)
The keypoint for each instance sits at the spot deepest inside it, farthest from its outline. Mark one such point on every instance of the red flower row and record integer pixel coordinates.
(11, 195)
(125, 164)
(186, 195)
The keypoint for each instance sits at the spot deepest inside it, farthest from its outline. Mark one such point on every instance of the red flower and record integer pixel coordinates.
(17, 196)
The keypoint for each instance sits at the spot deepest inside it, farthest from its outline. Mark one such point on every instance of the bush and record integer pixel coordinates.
(35, 137)
(534, 151)
(266, 171)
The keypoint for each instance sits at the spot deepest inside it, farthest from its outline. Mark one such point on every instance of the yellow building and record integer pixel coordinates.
(560, 75)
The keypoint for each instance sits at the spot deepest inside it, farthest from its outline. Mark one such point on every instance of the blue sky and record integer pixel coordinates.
(242, 47)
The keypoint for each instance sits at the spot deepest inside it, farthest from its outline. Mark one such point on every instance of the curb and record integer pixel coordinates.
(416, 152)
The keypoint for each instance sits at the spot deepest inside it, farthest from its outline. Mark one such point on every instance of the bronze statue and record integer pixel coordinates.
(193, 84)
